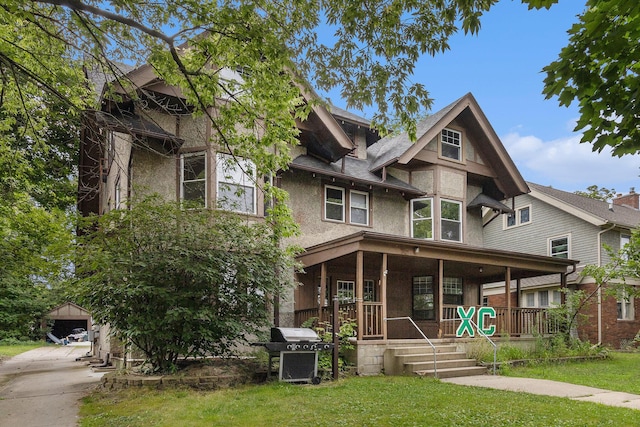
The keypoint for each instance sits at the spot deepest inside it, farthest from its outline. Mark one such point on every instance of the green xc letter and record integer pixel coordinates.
(486, 311)
(465, 324)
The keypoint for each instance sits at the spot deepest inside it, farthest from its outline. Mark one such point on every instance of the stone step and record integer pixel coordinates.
(426, 357)
(423, 349)
(454, 372)
(441, 364)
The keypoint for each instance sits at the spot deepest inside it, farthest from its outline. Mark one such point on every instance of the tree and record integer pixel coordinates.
(178, 283)
(602, 193)
(599, 70)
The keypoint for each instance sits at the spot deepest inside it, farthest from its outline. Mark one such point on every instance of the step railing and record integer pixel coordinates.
(493, 344)
(433, 347)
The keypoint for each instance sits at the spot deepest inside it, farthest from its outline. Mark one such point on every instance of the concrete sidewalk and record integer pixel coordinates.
(42, 387)
(551, 388)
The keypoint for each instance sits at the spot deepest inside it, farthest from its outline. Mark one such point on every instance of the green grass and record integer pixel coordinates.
(357, 401)
(619, 372)
(10, 350)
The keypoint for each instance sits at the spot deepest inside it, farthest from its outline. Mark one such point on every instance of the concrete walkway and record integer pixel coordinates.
(42, 387)
(551, 388)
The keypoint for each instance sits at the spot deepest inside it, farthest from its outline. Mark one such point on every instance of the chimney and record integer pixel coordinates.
(631, 200)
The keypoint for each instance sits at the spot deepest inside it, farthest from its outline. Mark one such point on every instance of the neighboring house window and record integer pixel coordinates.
(520, 216)
(543, 298)
(451, 142)
(625, 239)
(452, 290)
(625, 307)
(369, 291)
(530, 298)
(422, 218)
(451, 220)
(557, 298)
(346, 292)
(559, 247)
(236, 184)
(485, 301)
(334, 203)
(193, 178)
(118, 193)
(359, 204)
(423, 306)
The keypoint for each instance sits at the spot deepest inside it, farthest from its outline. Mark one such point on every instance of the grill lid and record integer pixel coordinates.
(294, 335)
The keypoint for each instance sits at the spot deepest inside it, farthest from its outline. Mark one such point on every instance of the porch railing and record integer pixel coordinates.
(372, 317)
(523, 321)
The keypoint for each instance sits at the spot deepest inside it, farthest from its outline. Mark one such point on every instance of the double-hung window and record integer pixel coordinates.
(334, 202)
(193, 178)
(338, 203)
(422, 218)
(236, 180)
(451, 144)
(359, 207)
(559, 247)
(625, 306)
(451, 220)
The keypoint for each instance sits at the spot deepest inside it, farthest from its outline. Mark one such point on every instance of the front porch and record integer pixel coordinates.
(375, 277)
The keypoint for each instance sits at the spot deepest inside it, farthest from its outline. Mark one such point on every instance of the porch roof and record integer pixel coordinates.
(483, 263)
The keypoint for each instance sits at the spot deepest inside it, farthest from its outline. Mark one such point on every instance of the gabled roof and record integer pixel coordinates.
(596, 212)
(355, 170)
(399, 149)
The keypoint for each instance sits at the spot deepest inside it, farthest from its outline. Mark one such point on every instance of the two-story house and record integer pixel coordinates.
(391, 228)
(560, 224)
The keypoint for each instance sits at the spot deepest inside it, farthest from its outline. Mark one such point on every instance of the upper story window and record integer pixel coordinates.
(559, 247)
(451, 144)
(359, 204)
(236, 184)
(193, 178)
(520, 216)
(451, 220)
(422, 218)
(337, 204)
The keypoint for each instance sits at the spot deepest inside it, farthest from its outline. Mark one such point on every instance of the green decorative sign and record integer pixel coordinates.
(466, 318)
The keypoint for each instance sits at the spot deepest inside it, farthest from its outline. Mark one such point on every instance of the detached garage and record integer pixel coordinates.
(68, 316)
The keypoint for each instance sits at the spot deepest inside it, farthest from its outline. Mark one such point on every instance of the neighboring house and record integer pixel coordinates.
(391, 228)
(566, 225)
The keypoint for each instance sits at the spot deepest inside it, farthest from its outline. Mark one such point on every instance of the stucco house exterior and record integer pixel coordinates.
(560, 224)
(390, 227)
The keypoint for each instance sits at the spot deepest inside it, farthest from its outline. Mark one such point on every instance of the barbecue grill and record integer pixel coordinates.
(297, 350)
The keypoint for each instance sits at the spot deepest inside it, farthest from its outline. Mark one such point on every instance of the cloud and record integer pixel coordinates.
(567, 164)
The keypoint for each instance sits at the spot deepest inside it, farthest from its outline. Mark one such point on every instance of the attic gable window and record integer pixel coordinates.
(520, 216)
(236, 184)
(193, 178)
(451, 144)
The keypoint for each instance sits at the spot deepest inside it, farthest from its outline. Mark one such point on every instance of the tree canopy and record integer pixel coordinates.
(599, 70)
(598, 193)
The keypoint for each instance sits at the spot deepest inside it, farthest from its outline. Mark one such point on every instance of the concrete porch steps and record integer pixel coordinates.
(418, 360)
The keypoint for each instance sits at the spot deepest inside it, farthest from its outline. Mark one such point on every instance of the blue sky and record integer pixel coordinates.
(501, 66)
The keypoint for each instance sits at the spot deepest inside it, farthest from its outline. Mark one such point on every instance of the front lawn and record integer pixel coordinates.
(619, 372)
(15, 348)
(356, 401)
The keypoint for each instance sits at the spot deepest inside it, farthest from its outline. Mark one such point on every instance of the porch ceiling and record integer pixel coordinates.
(487, 265)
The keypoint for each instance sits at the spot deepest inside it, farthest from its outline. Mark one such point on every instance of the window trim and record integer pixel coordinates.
(517, 216)
(252, 181)
(205, 179)
(430, 199)
(442, 137)
(459, 221)
(346, 205)
(550, 240)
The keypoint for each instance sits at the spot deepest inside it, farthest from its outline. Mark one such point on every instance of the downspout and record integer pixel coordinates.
(599, 298)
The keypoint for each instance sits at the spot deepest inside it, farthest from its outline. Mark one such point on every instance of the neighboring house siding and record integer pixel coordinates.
(546, 222)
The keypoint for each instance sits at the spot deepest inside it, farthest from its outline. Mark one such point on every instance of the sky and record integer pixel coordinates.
(501, 66)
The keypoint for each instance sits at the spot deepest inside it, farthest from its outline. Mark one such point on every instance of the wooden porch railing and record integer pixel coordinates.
(524, 321)
(372, 311)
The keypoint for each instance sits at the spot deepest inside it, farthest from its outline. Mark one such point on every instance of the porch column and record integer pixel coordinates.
(507, 292)
(518, 302)
(383, 294)
(440, 292)
(323, 289)
(360, 292)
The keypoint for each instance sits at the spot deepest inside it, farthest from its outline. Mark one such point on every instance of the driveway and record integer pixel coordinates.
(42, 387)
